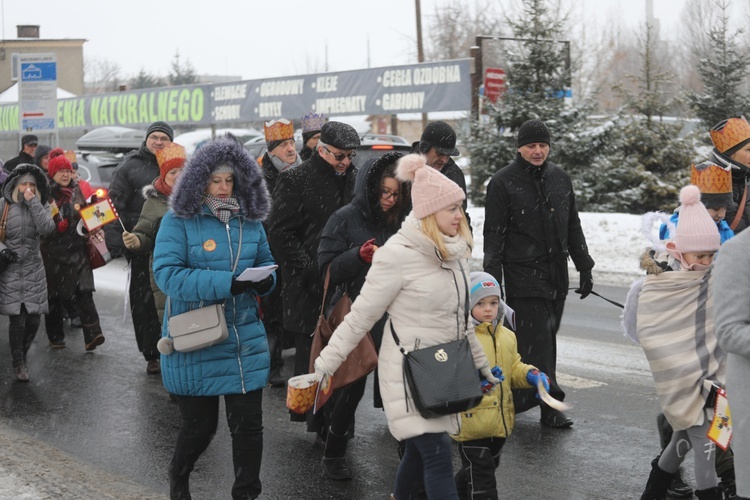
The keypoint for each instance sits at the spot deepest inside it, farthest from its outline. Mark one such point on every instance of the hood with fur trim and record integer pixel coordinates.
(249, 185)
(42, 186)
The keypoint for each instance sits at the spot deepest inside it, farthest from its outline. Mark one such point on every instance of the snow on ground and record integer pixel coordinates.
(615, 243)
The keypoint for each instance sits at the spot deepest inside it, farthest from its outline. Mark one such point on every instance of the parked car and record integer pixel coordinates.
(97, 167)
(372, 145)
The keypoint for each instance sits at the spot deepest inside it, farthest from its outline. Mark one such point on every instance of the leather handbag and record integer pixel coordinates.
(201, 327)
(442, 379)
(4, 221)
(362, 360)
(96, 249)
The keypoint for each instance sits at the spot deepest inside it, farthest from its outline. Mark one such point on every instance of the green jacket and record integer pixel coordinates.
(154, 208)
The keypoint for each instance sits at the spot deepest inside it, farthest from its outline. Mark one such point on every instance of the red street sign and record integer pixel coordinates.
(494, 83)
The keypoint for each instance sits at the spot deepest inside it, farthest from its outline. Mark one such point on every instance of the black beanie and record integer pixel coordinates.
(532, 131)
(160, 127)
(271, 145)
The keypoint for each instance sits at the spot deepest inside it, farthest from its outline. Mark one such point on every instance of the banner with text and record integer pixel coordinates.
(417, 88)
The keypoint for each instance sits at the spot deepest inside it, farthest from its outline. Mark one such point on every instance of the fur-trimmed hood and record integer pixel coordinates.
(42, 186)
(249, 186)
(149, 191)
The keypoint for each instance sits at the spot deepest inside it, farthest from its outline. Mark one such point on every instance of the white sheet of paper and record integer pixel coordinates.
(256, 273)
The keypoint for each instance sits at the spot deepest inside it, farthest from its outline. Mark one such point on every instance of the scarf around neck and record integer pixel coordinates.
(222, 208)
(163, 187)
(282, 165)
(456, 246)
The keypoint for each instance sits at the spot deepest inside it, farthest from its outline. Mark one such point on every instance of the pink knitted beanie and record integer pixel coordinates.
(696, 231)
(431, 191)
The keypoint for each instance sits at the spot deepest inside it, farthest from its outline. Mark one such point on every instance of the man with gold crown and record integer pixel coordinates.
(731, 139)
(281, 155)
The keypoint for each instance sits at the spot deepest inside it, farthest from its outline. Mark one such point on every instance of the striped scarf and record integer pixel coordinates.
(223, 208)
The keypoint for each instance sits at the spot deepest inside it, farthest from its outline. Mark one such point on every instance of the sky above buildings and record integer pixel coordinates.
(259, 39)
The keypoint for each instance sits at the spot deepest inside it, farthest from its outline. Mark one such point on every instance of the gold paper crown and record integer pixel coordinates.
(313, 122)
(711, 178)
(729, 133)
(172, 156)
(278, 130)
(71, 156)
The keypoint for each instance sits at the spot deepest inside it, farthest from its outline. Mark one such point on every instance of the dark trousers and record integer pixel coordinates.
(21, 332)
(200, 418)
(273, 322)
(537, 322)
(479, 459)
(426, 461)
(86, 309)
(341, 417)
(142, 308)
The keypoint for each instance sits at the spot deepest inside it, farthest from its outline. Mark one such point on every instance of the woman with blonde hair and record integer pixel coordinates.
(420, 278)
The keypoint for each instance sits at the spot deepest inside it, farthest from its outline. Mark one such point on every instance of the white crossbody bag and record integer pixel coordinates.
(202, 327)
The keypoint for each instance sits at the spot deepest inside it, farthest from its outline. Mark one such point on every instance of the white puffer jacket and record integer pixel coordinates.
(424, 297)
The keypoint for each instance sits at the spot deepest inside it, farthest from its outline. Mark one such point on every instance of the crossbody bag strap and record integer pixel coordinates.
(466, 296)
(4, 219)
(737, 217)
(234, 268)
(326, 282)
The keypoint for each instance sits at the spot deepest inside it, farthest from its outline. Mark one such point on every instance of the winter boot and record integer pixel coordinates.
(715, 493)
(179, 484)
(725, 471)
(658, 483)
(275, 379)
(335, 464)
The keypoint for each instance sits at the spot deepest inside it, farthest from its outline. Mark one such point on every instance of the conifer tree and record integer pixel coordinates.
(723, 69)
(538, 76)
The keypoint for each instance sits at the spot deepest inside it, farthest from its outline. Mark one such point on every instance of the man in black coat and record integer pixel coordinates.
(29, 142)
(531, 228)
(438, 144)
(304, 199)
(138, 169)
(280, 156)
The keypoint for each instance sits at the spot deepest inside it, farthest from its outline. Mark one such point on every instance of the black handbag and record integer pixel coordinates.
(442, 379)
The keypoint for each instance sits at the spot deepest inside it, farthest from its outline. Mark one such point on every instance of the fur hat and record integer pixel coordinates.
(339, 135)
(160, 127)
(696, 231)
(441, 136)
(249, 184)
(482, 285)
(431, 191)
(57, 162)
(171, 156)
(532, 131)
(730, 135)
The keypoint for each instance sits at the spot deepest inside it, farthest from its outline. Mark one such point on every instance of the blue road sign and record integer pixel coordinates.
(38, 71)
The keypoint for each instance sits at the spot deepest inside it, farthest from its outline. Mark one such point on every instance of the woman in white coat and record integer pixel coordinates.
(420, 278)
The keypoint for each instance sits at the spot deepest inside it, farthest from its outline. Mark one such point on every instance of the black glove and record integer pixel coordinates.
(586, 285)
(6, 258)
(260, 287)
(239, 287)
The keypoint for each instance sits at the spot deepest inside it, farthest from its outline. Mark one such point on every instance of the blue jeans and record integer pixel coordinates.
(426, 460)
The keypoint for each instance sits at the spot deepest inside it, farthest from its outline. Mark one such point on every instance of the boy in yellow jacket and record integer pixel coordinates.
(485, 427)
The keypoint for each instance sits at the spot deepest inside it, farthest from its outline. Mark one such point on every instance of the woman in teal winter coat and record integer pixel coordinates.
(209, 236)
